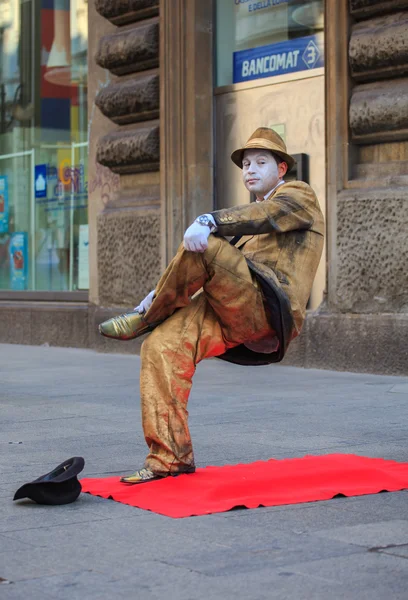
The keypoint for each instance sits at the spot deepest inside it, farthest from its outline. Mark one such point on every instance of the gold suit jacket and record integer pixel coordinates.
(282, 241)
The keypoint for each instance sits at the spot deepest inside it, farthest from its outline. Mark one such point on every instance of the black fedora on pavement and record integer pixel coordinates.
(59, 486)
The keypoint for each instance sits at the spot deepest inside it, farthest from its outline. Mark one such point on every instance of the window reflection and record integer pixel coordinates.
(43, 143)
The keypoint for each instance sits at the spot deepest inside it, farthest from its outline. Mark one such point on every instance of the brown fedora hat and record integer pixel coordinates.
(264, 139)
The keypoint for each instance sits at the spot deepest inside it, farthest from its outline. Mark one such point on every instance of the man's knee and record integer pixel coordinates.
(216, 242)
(217, 247)
(221, 253)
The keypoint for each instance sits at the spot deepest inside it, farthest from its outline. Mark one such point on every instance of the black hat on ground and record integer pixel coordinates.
(59, 486)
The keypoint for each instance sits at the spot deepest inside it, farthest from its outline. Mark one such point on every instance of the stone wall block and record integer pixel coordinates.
(15, 323)
(379, 47)
(369, 272)
(360, 343)
(130, 151)
(129, 51)
(120, 12)
(141, 196)
(128, 255)
(130, 101)
(379, 111)
(361, 9)
(356, 342)
(62, 325)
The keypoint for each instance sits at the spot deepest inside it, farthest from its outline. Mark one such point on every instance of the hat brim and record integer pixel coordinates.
(238, 155)
(50, 493)
(66, 470)
(59, 486)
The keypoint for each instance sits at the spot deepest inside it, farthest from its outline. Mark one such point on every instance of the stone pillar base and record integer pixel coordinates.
(359, 343)
(339, 342)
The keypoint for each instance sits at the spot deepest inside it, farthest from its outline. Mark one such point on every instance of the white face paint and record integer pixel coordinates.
(260, 172)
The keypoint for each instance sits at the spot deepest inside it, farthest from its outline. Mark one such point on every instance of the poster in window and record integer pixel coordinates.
(4, 204)
(260, 22)
(19, 260)
(40, 181)
(83, 258)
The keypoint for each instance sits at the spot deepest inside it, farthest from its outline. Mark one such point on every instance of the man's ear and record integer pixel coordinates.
(282, 169)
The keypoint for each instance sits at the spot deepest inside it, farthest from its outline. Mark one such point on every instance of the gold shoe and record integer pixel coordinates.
(141, 476)
(124, 327)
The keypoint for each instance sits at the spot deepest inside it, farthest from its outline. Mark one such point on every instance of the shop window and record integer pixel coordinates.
(263, 38)
(43, 145)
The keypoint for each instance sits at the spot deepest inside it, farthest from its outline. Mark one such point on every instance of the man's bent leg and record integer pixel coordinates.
(223, 272)
(186, 274)
(169, 358)
(228, 284)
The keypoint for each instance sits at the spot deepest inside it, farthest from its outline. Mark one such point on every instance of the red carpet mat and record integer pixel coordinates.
(269, 483)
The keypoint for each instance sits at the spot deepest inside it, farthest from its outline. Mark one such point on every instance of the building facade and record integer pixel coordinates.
(105, 163)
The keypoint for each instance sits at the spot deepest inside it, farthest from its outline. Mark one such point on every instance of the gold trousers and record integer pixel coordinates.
(228, 311)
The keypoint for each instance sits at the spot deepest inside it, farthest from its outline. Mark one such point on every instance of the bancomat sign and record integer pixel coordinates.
(298, 54)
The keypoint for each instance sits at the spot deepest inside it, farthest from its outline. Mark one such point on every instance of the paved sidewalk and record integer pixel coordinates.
(56, 403)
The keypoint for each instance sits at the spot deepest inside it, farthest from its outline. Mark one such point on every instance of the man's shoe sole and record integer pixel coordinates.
(114, 337)
(122, 479)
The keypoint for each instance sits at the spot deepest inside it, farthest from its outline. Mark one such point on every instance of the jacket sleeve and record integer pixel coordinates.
(293, 206)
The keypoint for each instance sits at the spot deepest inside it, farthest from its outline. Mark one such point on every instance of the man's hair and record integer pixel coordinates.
(278, 158)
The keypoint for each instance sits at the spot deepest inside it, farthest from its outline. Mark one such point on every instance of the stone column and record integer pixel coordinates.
(103, 183)
(186, 119)
(151, 142)
(124, 155)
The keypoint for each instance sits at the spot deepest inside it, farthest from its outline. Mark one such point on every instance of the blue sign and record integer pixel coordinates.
(19, 261)
(40, 181)
(299, 54)
(4, 204)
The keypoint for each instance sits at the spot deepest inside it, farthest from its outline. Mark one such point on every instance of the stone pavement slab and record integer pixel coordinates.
(56, 403)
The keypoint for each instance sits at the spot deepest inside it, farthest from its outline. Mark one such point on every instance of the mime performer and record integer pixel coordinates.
(242, 300)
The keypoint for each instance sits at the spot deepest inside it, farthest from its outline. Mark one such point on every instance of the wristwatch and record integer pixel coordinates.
(204, 220)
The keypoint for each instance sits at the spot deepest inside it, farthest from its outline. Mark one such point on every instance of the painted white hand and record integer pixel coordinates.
(145, 303)
(196, 237)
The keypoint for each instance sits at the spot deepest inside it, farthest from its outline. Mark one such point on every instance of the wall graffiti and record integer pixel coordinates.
(104, 181)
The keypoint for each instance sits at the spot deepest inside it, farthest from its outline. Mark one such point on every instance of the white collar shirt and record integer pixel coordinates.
(271, 192)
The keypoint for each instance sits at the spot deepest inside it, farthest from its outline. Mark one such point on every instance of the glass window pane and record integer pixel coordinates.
(263, 38)
(43, 144)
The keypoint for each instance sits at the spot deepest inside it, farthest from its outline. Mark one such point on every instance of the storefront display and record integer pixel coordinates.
(43, 143)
